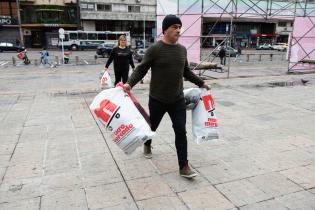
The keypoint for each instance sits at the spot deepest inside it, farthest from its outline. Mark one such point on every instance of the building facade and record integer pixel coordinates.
(9, 27)
(136, 16)
(41, 20)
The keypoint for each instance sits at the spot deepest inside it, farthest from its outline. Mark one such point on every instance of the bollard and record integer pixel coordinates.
(36, 62)
(56, 60)
(247, 59)
(271, 57)
(259, 58)
(95, 58)
(76, 60)
(13, 61)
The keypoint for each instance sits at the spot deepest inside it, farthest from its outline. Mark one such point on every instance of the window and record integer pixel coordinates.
(101, 36)
(92, 36)
(104, 7)
(111, 36)
(87, 6)
(134, 9)
(73, 36)
(282, 24)
(82, 36)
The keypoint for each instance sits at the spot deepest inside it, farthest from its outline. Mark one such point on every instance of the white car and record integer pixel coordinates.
(280, 46)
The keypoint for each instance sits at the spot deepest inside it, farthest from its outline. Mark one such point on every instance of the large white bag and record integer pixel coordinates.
(106, 81)
(117, 112)
(204, 121)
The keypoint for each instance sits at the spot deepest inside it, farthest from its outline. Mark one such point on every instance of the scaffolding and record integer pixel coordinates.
(232, 10)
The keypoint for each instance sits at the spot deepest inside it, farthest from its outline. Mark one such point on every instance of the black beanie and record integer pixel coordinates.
(170, 20)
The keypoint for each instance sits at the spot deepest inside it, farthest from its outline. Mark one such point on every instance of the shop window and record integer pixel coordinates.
(282, 24)
(104, 7)
(134, 9)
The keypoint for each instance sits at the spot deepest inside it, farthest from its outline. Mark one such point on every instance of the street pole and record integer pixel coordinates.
(229, 45)
(19, 22)
(144, 31)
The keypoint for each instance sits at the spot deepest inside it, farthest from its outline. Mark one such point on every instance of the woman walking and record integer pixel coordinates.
(122, 57)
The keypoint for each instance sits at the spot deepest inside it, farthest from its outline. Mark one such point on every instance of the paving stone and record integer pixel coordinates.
(298, 201)
(242, 192)
(205, 198)
(105, 176)
(24, 170)
(150, 187)
(96, 161)
(9, 139)
(166, 164)
(220, 172)
(29, 204)
(263, 205)
(274, 184)
(107, 196)
(304, 176)
(19, 189)
(60, 182)
(4, 160)
(164, 202)
(65, 200)
(136, 168)
(181, 184)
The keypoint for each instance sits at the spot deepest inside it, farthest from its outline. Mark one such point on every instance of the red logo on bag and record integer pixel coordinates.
(106, 110)
(208, 102)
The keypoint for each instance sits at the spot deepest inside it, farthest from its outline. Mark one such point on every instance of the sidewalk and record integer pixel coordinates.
(54, 155)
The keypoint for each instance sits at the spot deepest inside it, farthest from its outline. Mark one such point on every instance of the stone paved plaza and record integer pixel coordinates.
(55, 155)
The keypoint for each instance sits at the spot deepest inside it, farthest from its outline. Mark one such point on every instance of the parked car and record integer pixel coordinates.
(230, 51)
(139, 54)
(280, 46)
(104, 49)
(7, 46)
(264, 47)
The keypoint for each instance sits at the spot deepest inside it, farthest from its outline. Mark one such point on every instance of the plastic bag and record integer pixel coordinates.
(106, 81)
(192, 96)
(116, 111)
(204, 121)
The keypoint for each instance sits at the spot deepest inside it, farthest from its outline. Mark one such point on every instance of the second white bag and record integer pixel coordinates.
(114, 108)
(106, 81)
(204, 121)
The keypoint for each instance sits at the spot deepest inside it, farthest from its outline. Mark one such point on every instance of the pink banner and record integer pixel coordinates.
(190, 34)
(302, 44)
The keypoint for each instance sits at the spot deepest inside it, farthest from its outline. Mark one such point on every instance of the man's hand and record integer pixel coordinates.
(126, 87)
(106, 69)
(206, 86)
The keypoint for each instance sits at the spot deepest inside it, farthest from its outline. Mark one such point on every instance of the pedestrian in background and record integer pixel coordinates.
(238, 55)
(222, 55)
(168, 62)
(44, 57)
(122, 57)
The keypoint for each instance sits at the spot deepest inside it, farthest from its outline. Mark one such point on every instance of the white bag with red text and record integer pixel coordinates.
(106, 81)
(116, 111)
(204, 121)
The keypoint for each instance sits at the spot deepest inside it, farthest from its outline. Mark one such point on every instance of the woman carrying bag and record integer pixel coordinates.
(122, 57)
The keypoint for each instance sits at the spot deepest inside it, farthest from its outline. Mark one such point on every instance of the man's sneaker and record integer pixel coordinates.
(187, 172)
(147, 153)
